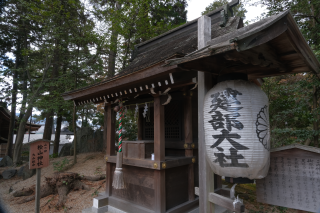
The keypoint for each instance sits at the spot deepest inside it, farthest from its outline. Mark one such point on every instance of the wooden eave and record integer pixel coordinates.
(135, 84)
(275, 47)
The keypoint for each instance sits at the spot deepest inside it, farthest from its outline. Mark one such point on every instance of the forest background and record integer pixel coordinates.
(62, 45)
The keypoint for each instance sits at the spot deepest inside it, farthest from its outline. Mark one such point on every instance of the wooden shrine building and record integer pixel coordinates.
(165, 71)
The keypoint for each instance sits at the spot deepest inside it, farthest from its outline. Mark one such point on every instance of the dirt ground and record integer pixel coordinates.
(90, 164)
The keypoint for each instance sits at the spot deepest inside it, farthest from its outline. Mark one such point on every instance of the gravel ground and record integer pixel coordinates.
(89, 164)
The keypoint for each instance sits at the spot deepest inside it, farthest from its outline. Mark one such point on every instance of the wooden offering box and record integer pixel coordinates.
(138, 149)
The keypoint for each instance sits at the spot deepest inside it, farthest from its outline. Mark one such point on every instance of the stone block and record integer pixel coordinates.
(9, 173)
(20, 171)
(6, 161)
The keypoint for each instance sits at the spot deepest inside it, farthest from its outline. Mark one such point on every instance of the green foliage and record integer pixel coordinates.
(25, 154)
(54, 155)
(291, 108)
(60, 165)
(96, 192)
(129, 126)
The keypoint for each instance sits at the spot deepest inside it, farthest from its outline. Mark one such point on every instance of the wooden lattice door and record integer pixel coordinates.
(173, 122)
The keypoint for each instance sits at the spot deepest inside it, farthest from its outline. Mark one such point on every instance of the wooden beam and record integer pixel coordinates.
(181, 79)
(204, 84)
(140, 119)
(150, 164)
(98, 89)
(110, 130)
(107, 138)
(188, 137)
(270, 54)
(105, 129)
(159, 140)
(223, 201)
(160, 191)
(226, 203)
(108, 188)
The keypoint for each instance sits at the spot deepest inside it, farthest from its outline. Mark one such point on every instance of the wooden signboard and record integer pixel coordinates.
(39, 158)
(39, 154)
(293, 180)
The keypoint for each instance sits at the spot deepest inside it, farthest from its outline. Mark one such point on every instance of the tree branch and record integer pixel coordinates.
(307, 16)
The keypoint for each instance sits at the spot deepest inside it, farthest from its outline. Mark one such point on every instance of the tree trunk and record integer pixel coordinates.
(13, 112)
(75, 134)
(60, 183)
(20, 135)
(113, 47)
(20, 132)
(57, 134)
(48, 126)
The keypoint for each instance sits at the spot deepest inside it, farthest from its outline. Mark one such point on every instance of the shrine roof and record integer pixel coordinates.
(281, 26)
(177, 42)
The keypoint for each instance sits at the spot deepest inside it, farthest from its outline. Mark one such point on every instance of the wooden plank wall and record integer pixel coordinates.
(140, 186)
(176, 186)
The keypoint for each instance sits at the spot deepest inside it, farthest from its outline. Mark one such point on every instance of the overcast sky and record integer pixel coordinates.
(195, 7)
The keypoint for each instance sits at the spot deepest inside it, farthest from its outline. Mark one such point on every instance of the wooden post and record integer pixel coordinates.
(159, 141)
(74, 134)
(159, 155)
(188, 138)
(206, 178)
(110, 131)
(140, 119)
(38, 181)
(109, 135)
(105, 129)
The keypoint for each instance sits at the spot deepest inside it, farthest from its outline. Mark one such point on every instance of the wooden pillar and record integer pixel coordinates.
(206, 178)
(188, 138)
(159, 141)
(109, 138)
(159, 155)
(140, 119)
(110, 130)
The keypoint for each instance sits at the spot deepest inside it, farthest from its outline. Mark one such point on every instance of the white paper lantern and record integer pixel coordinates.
(237, 135)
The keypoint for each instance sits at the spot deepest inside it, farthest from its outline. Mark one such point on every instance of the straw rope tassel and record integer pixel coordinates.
(118, 182)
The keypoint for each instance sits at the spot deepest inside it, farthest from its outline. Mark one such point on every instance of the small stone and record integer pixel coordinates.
(28, 173)
(10, 189)
(3, 162)
(6, 161)
(20, 171)
(9, 173)
(9, 161)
